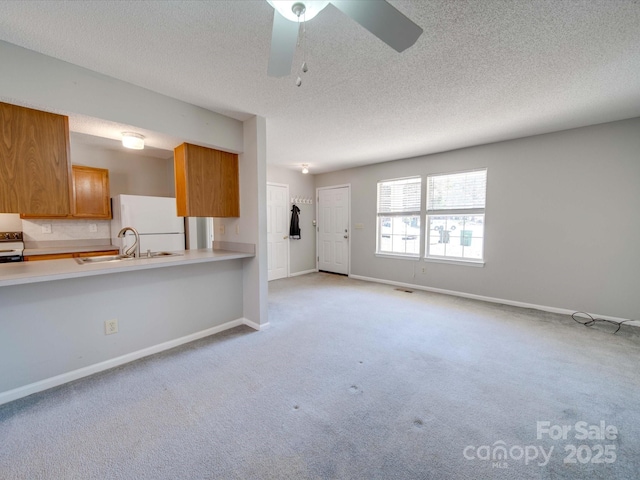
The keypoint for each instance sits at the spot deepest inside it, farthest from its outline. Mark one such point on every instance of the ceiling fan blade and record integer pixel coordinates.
(383, 20)
(283, 45)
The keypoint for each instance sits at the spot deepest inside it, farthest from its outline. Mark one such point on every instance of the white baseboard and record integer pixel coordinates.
(562, 311)
(47, 383)
(305, 272)
(254, 325)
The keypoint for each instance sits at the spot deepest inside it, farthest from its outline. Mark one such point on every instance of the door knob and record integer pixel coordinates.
(346, 236)
(284, 238)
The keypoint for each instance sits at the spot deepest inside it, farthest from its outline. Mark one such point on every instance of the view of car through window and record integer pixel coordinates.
(454, 212)
(456, 236)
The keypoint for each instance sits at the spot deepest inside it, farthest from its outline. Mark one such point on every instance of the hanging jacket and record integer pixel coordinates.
(294, 229)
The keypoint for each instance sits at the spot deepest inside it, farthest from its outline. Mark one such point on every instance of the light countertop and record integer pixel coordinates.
(43, 271)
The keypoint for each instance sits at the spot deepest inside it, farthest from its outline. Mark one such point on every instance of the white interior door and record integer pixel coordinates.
(277, 231)
(333, 230)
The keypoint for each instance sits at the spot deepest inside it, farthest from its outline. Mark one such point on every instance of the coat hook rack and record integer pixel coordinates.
(302, 200)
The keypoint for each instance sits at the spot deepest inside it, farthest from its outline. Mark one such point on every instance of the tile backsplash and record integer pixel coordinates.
(10, 222)
(65, 230)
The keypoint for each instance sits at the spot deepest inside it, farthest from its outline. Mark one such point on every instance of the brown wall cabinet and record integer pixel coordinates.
(90, 194)
(207, 183)
(34, 162)
(57, 256)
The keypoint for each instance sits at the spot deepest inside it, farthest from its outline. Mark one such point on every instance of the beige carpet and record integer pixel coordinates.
(352, 381)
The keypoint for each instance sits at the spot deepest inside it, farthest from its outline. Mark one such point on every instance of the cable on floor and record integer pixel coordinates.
(591, 321)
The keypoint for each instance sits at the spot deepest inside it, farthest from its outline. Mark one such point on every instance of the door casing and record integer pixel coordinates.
(284, 230)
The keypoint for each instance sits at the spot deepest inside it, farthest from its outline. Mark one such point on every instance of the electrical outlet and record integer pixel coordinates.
(424, 269)
(111, 326)
(93, 227)
(46, 228)
(222, 229)
(237, 229)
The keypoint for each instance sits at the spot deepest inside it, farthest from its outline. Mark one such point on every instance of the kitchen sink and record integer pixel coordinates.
(161, 254)
(101, 258)
(118, 258)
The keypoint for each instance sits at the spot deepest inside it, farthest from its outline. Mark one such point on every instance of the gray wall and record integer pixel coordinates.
(129, 173)
(251, 226)
(56, 327)
(303, 251)
(38, 81)
(562, 227)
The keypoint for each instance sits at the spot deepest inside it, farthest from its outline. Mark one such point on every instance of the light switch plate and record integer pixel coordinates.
(93, 228)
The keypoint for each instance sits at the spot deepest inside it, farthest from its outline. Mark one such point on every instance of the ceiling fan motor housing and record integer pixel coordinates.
(298, 8)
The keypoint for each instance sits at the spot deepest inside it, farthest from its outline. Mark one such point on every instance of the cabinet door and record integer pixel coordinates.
(57, 256)
(34, 162)
(48, 256)
(91, 192)
(207, 182)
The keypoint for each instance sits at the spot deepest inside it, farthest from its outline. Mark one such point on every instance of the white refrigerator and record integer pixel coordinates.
(154, 218)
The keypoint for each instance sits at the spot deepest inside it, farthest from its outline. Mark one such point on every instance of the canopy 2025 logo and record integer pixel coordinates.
(583, 431)
(499, 454)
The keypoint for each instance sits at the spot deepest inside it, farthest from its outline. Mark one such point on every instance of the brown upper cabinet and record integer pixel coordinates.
(207, 182)
(91, 192)
(34, 162)
(90, 195)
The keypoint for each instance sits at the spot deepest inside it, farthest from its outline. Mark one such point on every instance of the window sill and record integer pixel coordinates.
(398, 256)
(459, 262)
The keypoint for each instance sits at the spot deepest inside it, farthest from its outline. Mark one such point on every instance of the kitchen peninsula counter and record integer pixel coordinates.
(54, 312)
(50, 270)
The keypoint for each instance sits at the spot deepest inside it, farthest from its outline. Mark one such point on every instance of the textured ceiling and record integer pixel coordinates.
(483, 71)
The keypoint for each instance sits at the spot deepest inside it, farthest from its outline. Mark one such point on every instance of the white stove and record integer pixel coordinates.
(11, 247)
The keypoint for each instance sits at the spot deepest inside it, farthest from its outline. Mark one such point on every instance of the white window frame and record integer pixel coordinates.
(453, 211)
(398, 213)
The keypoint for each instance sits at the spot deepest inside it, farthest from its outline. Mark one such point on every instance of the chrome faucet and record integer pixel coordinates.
(133, 250)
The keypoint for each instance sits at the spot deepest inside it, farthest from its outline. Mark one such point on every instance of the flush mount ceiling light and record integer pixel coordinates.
(305, 168)
(132, 140)
(379, 17)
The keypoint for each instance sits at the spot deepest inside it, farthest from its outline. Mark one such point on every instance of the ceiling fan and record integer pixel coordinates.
(378, 16)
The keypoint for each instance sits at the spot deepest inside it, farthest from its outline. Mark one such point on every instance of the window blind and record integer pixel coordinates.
(399, 196)
(457, 191)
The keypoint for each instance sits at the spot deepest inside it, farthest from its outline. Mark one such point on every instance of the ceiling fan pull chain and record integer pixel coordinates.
(304, 44)
(299, 10)
(304, 67)
(299, 80)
